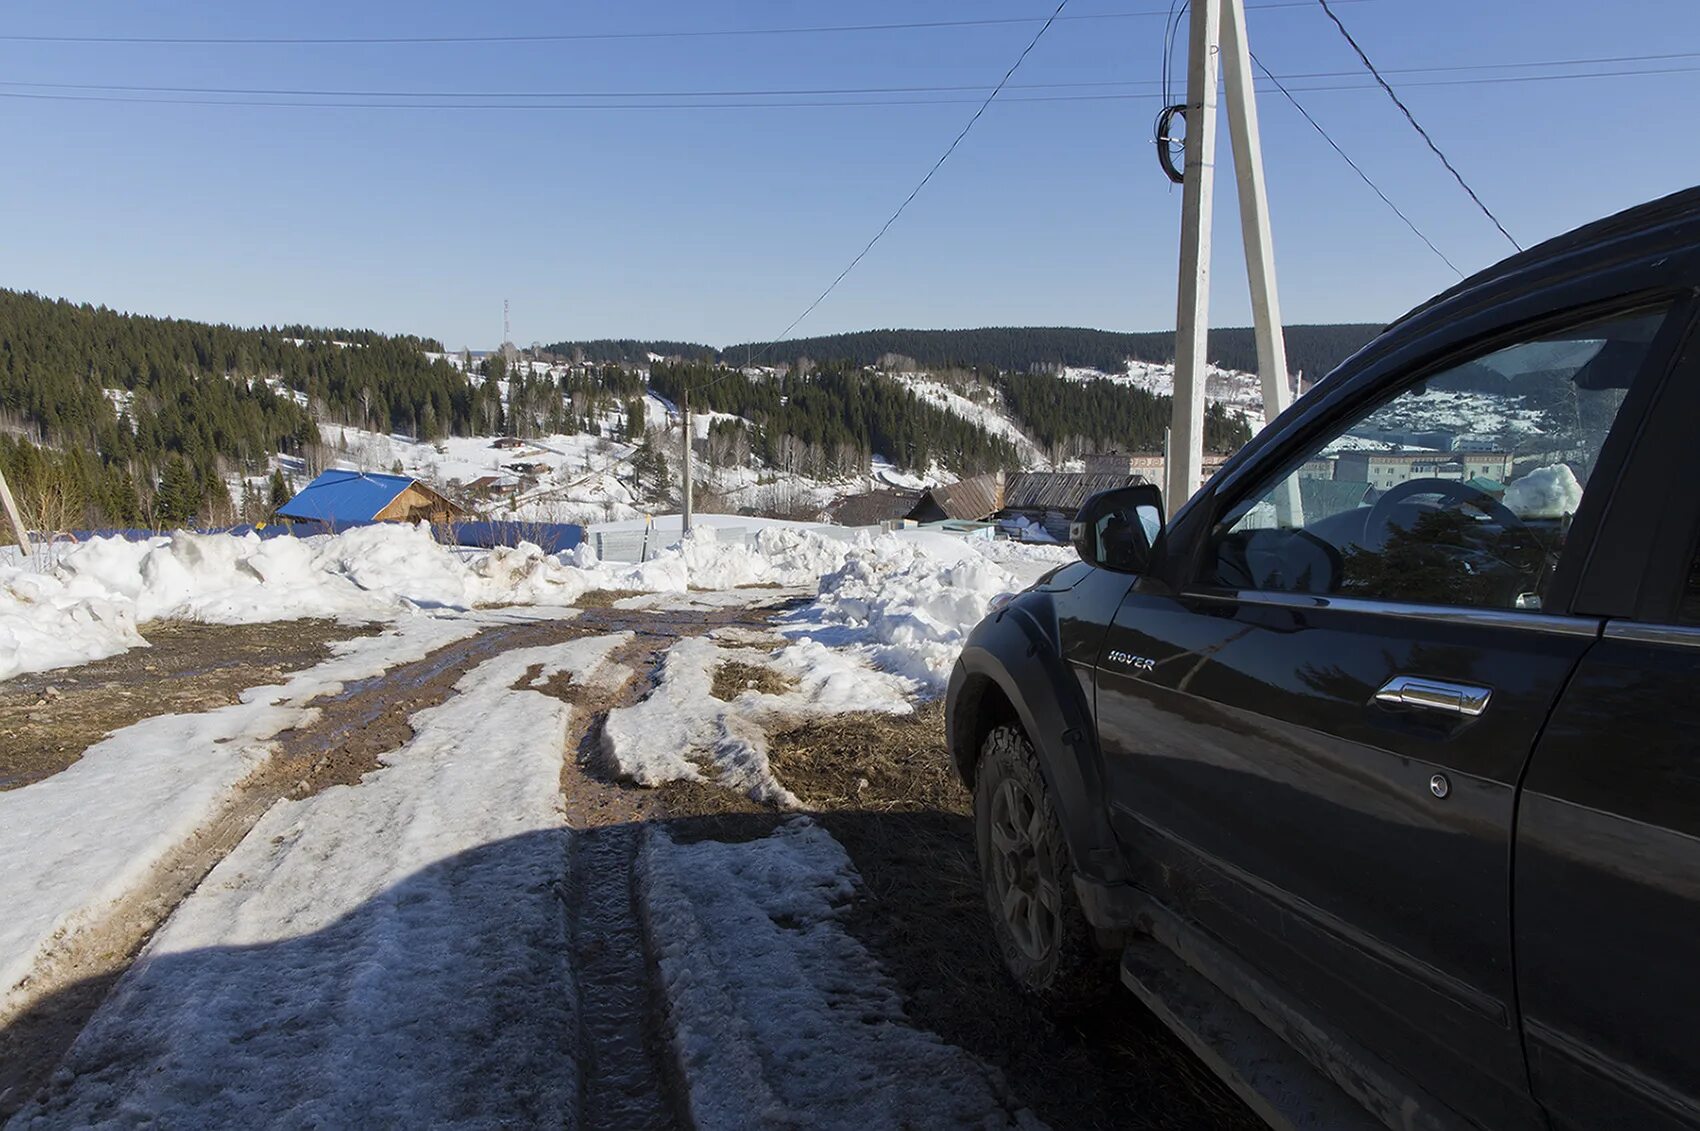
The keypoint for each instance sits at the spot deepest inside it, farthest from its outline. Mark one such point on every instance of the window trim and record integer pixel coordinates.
(1528, 620)
(1252, 479)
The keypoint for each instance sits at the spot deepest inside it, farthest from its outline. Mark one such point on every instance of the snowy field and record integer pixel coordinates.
(397, 950)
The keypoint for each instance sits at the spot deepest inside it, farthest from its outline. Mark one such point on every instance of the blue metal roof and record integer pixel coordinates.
(345, 496)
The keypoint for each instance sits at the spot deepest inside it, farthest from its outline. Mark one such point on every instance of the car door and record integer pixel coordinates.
(1607, 866)
(1312, 744)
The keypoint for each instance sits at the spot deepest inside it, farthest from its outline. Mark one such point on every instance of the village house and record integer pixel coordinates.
(355, 498)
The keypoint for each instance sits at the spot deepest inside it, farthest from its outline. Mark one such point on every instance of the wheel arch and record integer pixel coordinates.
(1009, 673)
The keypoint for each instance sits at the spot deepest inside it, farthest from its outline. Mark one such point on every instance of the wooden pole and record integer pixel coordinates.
(12, 516)
(1192, 318)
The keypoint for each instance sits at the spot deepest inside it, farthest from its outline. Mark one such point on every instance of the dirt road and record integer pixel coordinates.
(429, 902)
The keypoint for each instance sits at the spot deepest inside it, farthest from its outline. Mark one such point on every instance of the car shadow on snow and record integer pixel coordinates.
(447, 997)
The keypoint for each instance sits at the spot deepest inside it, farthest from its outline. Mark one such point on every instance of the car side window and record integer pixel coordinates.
(1460, 490)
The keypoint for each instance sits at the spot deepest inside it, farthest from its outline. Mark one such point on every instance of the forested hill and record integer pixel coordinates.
(136, 419)
(1311, 349)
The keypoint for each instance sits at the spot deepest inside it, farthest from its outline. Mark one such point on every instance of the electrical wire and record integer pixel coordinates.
(1412, 118)
(824, 103)
(916, 191)
(573, 37)
(1163, 83)
(1344, 156)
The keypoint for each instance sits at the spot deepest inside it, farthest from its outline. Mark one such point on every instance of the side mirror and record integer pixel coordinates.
(1119, 529)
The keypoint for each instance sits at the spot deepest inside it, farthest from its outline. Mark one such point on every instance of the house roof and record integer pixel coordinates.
(345, 496)
(1060, 490)
(1323, 497)
(972, 499)
(872, 507)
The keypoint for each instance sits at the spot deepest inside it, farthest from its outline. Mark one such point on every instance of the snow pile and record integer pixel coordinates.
(776, 1015)
(781, 556)
(95, 831)
(386, 954)
(88, 606)
(909, 605)
(682, 732)
(1546, 492)
(42, 626)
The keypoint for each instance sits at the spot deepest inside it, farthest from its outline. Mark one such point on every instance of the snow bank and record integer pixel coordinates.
(89, 605)
(781, 556)
(776, 1015)
(681, 732)
(387, 954)
(95, 831)
(909, 608)
(1546, 492)
(911, 595)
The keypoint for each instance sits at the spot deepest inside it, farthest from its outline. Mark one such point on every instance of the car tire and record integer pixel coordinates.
(1028, 878)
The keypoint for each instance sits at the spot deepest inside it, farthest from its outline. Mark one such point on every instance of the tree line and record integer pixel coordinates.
(1074, 418)
(1311, 349)
(831, 421)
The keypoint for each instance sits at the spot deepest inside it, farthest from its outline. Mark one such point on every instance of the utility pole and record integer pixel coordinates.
(685, 494)
(1247, 142)
(1192, 317)
(12, 516)
(1218, 31)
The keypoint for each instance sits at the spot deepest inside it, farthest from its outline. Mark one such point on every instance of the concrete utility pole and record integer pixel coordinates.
(685, 494)
(1219, 31)
(12, 516)
(1192, 317)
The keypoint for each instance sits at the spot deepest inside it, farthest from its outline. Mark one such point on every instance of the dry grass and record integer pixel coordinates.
(734, 677)
(604, 598)
(870, 761)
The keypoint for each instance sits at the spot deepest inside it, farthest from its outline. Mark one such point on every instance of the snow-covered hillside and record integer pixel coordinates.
(1237, 390)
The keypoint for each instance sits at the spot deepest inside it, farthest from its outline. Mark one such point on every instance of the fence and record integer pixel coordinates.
(553, 537)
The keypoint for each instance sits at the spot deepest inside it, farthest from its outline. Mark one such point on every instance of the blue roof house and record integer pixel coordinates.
(352, 498)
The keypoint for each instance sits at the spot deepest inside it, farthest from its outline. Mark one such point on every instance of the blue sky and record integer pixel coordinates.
(721, 225)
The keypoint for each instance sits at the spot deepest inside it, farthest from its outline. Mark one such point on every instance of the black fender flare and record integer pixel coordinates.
(1012, 654)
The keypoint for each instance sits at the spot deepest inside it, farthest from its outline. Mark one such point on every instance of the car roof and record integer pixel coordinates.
(1666, 215)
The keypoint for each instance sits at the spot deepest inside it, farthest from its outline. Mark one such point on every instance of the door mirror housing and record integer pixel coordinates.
(1120, 529)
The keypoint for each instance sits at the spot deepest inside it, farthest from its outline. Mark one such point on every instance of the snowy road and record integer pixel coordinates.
(405, 950)
(545, 867)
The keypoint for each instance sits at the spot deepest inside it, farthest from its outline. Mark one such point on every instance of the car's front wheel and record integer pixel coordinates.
(1028, 877)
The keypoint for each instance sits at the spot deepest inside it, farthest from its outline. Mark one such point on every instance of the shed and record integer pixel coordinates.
(968, 500)
(872, 507)
(488, 485)
(1051, 499)
(343, 498)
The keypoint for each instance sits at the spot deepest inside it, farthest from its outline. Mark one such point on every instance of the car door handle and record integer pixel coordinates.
(1435, 695)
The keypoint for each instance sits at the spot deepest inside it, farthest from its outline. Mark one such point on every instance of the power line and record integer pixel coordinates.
(775, 92)
(824, 103)
(576, 37)
(916, 191)
(1412, 118)
(1344, 156)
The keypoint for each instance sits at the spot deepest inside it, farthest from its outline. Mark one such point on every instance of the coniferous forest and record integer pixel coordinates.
(1311, 349)
(113, 419)
(129, 420)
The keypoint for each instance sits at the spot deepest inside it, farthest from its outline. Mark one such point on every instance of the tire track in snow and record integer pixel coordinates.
(351, 726)
(391, 952)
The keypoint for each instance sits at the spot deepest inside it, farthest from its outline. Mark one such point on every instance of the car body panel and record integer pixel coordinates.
(1608, 888)
(1258, 790)
(1262, 791)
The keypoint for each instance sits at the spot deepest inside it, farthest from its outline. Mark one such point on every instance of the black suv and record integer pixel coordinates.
(1379, 762)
